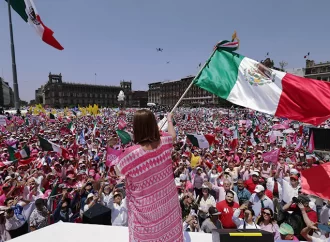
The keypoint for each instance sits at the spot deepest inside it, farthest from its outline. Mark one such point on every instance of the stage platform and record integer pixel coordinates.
(71, 232)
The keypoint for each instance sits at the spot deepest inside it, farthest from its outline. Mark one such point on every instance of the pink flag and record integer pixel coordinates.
(272, 137)
(226, 131)
(271, 156)
(278, 126)
(112, 156)
(311, 143)
(288, 141)
(286, 123)
(122, 124)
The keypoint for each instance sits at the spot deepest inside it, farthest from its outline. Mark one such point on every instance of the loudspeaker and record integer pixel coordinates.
(241, 235)
(321, 138)
(98, 214)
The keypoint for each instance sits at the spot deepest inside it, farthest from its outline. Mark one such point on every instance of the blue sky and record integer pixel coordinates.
(117, 39)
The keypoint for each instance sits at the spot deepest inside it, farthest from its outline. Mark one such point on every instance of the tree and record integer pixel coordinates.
(283, 64)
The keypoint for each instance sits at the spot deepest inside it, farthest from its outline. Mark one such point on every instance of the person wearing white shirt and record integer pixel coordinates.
(248, 221)
(118, 207)
(260, 201)
(205, 202)
(221, 191)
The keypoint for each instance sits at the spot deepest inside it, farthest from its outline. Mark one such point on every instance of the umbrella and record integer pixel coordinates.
(288, 131)
(275, 133)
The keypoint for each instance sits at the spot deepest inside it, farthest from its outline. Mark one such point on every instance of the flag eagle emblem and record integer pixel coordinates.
(33, 16)
(259, 75)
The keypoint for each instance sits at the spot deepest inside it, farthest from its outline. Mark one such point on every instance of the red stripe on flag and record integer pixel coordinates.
(48, 37)
(316, 180)
(305, 100)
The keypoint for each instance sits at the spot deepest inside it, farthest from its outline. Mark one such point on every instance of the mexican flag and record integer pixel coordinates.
(15, 154)
(234, 142)
(124, 136)
(47, 145)
(94, 128)
(198, 140)
(250, 84)
(71, 127)
(28, 12)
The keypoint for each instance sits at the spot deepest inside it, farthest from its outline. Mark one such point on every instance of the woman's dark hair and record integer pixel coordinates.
(261, 218)
(230, 193)
(145, 127)
(7, 200)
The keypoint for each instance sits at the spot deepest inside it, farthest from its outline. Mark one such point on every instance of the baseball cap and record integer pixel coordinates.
(286, 229)
(183, 177)
(294, 177)
(255, 173)
(259, 188)
(213, 211)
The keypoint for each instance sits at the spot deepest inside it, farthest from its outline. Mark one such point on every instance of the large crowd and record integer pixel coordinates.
(228, 184)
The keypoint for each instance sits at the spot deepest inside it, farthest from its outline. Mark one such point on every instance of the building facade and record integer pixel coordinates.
(6, 94)
(59, 94)
(169, 92)
(139, 99)
(296, 71)
(39, 95)
(154, 92)
(317, 71)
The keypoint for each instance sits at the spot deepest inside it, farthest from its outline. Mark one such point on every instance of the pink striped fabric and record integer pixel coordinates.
(154, 212)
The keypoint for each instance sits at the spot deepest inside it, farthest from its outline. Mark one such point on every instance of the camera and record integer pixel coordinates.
(296, 200)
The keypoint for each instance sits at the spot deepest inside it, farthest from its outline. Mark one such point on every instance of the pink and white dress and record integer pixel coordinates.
(154, 212)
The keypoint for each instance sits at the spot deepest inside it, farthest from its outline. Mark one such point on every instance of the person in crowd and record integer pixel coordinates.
(204, 202)
(260, 201)
(40, 216)
(286, 232)
(118, 207)
(248, 220)
(187, 205)
(252, 182)
(191, 223)
(16, 222)
(227, 208)
(221, 191)
(4, 234)
(316, 234)
(212, 222)
(151, 160)
(242, 193)
(65, 209)
(267, 222)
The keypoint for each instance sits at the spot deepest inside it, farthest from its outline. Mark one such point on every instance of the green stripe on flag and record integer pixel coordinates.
(13, 155)
(45, 145)
(19, 7)
(124, 136)
(220, 73)
(193, 140)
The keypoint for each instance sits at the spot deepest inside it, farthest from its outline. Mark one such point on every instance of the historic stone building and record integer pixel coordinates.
(169, 92)
(6, 94)
(58, 94)
(139, 99)
(154, 92)
(317, 71)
